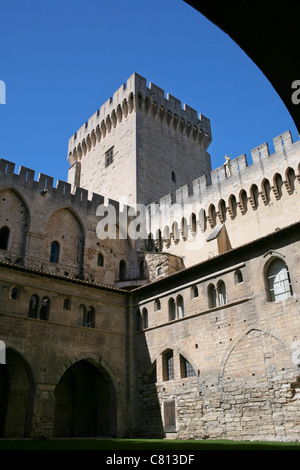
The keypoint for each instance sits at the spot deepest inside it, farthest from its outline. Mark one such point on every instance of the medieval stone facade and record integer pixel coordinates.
(188, 329)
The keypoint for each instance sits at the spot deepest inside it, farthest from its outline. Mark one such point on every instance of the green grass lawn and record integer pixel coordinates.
(141, 444)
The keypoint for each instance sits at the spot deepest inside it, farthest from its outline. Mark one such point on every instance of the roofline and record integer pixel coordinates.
(222, 256)
(276, 233)
(30, 270)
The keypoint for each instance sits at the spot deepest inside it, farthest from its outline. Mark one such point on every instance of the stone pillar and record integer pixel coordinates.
(43, 411)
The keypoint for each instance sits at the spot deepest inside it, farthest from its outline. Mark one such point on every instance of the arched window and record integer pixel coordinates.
(266, 190)
(254, 195)
(238, 276)
(193, 223)
(222, 210)
(67, 304)
(168, 365)
(44, 308)
(13, 293)
(4, 238)
(90, 318)
(159, 271)
(232, 206)
(212, 296)
(175, 232)
(290, 176)
(180, 308)
(194, 292)
(54, 253)
(158, 241)
(212, 215)
(186, 369)
(278, 281)
(184, 228)
(172, 310)
(173, 176)
(156, 305)
(33, 306)
(122, 270)
(278, 185)
(244, 201)
(145, 318)
(222, 296)
(100, 260)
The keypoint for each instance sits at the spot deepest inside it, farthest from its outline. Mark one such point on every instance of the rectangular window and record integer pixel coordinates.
(109, 157)
(169, 416)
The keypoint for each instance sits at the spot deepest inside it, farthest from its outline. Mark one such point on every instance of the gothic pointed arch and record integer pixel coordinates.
(86, 401)
(14, 212)
(187, 367)
(264, 345)
(64, 240)
(17, 385)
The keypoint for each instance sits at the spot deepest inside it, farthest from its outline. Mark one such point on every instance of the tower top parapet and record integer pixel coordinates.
(133, 94)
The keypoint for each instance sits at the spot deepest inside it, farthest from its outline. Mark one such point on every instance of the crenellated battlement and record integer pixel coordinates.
(215, 212)
(226, 180)
(79, 198)
(229, 176)
(132, 96)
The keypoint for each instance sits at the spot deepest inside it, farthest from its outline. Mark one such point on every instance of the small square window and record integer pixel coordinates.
(109, 157)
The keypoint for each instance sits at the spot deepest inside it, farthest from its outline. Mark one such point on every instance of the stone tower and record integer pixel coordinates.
(139, 146)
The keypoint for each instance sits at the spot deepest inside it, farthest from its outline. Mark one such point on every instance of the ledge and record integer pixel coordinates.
(197, 314)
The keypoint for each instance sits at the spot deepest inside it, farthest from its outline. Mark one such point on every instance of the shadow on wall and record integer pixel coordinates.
(148, 419)
(84, 402)
(16, 396)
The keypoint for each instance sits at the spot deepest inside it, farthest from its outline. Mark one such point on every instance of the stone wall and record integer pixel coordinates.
(188, 218)
(245, 382)
(38, 214)
(40, 352)
(149, 133)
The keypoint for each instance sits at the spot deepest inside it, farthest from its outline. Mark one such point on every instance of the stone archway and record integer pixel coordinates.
(16, 396)
(256, 386)
(85, 402)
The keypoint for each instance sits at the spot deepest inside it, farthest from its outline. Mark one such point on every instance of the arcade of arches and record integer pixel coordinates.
(84, 400)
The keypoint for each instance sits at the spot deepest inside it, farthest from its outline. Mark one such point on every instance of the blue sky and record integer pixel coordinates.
(61, 60)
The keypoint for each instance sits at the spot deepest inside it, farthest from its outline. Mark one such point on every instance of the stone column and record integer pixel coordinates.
(43, 411)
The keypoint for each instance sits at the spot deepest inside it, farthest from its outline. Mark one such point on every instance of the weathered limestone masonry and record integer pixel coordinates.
(64, 378)
(155, 145)
(224, 210)
(38, 214)
(65, 331)
(190, 332)
(225, 366)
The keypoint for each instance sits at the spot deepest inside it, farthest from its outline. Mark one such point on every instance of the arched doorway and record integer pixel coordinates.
(85, 403)
(16, 396)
